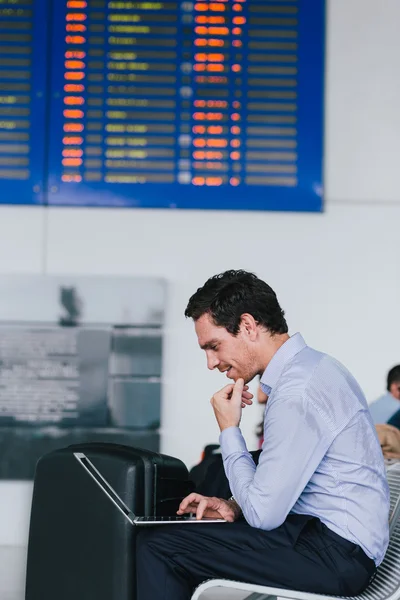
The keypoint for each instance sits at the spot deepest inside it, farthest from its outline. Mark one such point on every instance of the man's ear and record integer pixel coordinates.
(249, 326)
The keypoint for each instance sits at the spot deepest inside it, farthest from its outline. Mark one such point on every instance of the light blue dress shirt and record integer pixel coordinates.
(382, 409)
(320, 456)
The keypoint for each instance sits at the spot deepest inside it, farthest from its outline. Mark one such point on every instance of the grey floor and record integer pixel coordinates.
(12, 572)
(12, 577)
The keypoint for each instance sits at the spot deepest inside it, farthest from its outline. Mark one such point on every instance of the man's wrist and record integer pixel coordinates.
(231, 441)
(235, 507)
(227, 426)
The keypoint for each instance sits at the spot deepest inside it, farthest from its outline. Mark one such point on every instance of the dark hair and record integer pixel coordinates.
(227, 296)
(393, 376)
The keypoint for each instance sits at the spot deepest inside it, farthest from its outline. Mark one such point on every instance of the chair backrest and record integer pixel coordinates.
(386, 584)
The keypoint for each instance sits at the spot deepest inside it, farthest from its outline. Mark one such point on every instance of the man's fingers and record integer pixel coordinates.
(225, 393)
(238, 390)
(191, 508)
(192, 498)
(201, 508)
(228, 389)
(247, 401)
(246, 396)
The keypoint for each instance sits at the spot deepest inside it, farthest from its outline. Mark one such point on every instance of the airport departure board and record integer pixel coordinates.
(23, 80)
(214, 105)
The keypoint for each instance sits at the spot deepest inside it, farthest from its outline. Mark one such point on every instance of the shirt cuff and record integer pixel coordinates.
(232, 442)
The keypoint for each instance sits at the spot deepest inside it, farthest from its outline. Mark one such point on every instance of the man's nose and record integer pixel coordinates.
(212, 362)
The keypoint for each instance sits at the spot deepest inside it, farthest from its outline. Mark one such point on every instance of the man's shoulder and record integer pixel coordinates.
(324, 385)
(305, 364)
(313, 368)
(322, 365)
(298, 371)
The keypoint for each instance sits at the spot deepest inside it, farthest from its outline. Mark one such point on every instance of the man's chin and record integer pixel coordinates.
(236, 376)
(246, 379)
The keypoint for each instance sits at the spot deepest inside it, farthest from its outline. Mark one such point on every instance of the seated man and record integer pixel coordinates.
(313, 514)
(383, 409)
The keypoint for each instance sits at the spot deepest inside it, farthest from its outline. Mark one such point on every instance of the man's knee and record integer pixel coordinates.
(145, 542)
(165, 540)
(150, 538)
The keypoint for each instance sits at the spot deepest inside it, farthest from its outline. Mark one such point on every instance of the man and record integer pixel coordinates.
(385, 414)
(385, 407)
(315, 509)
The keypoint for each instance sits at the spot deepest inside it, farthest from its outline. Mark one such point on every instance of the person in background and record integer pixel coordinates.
(313, 515)
(387, 405)
(395, 420)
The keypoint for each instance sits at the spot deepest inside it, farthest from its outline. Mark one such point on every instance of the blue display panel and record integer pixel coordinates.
(23, 73)
(187, 104)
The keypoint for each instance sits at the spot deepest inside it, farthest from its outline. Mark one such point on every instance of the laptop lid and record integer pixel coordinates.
(87, 464)
(95, 474)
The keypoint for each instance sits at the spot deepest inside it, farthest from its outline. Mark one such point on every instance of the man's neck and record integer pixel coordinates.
(271, 347)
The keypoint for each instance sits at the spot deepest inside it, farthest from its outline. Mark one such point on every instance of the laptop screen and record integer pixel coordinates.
(103, 483)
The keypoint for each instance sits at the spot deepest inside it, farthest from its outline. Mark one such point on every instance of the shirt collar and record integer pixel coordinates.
(277, 363)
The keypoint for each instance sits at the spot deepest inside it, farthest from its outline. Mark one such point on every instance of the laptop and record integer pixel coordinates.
(112, 495)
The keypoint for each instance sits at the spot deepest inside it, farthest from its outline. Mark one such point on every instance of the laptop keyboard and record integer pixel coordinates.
(151, 519)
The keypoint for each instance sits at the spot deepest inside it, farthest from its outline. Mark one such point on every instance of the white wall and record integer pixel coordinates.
(336, 274)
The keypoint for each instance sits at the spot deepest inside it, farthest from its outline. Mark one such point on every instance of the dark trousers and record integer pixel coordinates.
(301, 554)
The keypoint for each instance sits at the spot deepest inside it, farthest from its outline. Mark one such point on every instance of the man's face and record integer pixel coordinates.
(395, 389)
(233, 355)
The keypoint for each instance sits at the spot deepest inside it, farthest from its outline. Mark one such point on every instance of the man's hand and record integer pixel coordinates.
(215, 508)
(228, 404)
(389, 439)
